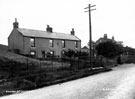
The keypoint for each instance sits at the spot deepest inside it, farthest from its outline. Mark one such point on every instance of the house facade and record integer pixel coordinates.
(40, 43)
(105, 39)
(85, 49)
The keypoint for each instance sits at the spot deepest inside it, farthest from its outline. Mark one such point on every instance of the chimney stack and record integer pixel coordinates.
(49, 29)
(113, 38)
(72, 32)
(15, 24)
(105, 36)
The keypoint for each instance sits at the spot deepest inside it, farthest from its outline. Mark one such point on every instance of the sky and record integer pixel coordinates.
(112, 17)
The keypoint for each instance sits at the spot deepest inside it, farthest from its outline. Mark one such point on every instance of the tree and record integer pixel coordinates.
(129, 50)
(109, 49)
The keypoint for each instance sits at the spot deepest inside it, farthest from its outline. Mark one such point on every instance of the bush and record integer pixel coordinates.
(109, 49)
(72, 53)
(130, 59)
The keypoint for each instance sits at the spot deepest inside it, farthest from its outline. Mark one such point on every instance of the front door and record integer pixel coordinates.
(43, 55)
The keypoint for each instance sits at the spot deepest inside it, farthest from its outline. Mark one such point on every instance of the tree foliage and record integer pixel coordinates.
(109, 49)
(71, 53)
(129, 51)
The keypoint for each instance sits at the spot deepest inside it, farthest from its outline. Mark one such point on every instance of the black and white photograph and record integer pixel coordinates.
(67, 49)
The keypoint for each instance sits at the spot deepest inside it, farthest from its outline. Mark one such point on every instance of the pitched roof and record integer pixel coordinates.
(103, 40)
(85, 47)
(45, 34)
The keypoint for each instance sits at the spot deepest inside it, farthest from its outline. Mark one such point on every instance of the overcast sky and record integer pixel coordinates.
(113, 17)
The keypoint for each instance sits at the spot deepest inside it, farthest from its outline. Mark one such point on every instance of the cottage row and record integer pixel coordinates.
(39, 43)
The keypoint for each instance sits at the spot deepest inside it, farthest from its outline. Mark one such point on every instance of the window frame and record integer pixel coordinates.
(32, 41)
(76, 44)
(63, 53)
(52, 53)
(43, 53)
(34, 55)
(51, 43)
(63, 44)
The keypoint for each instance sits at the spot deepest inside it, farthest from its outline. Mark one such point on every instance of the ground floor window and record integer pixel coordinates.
(63, 53)
(52, 53)
(33, 53)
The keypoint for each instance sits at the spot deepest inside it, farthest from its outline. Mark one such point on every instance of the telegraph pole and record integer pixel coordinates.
(90, 32)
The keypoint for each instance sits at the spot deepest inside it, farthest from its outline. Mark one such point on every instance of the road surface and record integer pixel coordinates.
(116, 84)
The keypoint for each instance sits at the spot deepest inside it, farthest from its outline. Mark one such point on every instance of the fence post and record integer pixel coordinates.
(27, 62)
(40, 64)
(62, 62)
(52, 62)
(78, 63)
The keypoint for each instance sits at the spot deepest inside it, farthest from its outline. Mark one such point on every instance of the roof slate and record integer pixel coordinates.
(45, 34)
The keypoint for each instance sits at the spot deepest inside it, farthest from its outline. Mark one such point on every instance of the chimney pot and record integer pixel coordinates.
(73, 31)
(105, 36)
(15, 24)
(113, 38)
(49, 29)
(15, 19)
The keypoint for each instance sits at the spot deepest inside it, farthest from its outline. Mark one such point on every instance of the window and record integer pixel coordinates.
(51, 43)
(52, 53)
(32, 42)
(76, 44)
(43, 54)
(63, 43)
(33, 53)
(63, 53)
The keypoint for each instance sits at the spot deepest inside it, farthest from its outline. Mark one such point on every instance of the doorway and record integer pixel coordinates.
(43, 55)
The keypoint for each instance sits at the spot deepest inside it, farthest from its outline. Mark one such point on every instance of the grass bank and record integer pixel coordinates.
(17, 76)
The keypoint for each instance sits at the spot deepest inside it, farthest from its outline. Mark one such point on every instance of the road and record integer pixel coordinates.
(116, 84)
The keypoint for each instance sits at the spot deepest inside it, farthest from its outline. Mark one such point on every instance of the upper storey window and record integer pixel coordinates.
(76, 44)
(51, 43)
(32, 41)
(63, 44)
